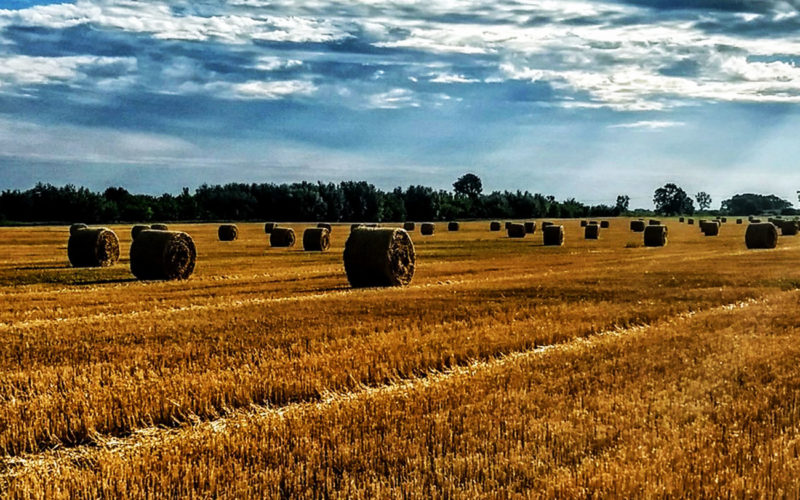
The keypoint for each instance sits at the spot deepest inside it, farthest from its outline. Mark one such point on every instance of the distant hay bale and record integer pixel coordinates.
(325, 225)
(546, 224)
(655, 236)
(138, 228)
(494, 225)
(409, 226)
(269, 226)
(637, 226)
(690, 222)
(653, 222)
(427, 228)
(605, 224)
(724, 220)
(316, 239)
(682, 219)
(508, 223)
(453, 226)
(282, 237)
(593, 222)
(788, 228)
(761, 235)
(584, 223)
(163, 255)
(530, 227)
(755, 221)
(739, 221)
(591, 232)
(93, 247)
(516, 230)
(228, 232)
(710, 228)
(159, 227)
(553, 235)
(76, 227)
(379, 257)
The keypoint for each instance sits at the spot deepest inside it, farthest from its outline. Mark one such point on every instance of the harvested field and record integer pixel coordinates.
(265, 374)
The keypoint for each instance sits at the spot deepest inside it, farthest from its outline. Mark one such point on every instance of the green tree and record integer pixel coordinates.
(672, 200)
(703, 200)
(468, 185)
(623, 202)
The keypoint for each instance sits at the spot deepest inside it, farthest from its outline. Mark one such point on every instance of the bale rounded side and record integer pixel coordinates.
(591, 232)
(427, 228)
(710, 228)
(93, 247)
(282, 237)
(552, 235)
(761, 235)
(516, 230)
(316, 239)
(163, 255)
(637, 226)
(453, 226)
(654, 222)
(655, 236)
(494, 225)
(228, 232)
(604, 224)
(379, 257)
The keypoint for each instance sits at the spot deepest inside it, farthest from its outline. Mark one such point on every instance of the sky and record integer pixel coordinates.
(573, 98)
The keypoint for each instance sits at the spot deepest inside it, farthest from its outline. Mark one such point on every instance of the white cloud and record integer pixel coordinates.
(18, 70)
(393, 99)
(451, 78)
(650, 124)
(273, 89)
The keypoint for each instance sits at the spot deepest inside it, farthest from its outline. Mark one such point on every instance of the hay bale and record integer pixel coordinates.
(325, 225)
(553, 235)
(76, 227)
(409, 226)
(316, 239)
(282, 237)
(530, 227)
(269, 226)
(356, 225)
(508, 223)
(761, 235)
(160, 227)
(681, 220)
(724, 220)
(516, 230)
(546, 224)
(690, 222)
(604, 224)
(163, 255)
(788, 228)
(584, 223)
(427, 228)
(591, 232)
(135, 230)
(228, 232)
(379, 257)
(755, 221)
(653, 222)
(637, 226)
(453, 226)
(710, 228)
(93, 247)
(739, 221)
(655, 236)
(494, 225)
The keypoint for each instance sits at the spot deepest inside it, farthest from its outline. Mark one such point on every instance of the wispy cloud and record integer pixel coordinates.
(649, 125)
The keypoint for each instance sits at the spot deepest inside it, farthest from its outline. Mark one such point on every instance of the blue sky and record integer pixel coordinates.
(566, 97)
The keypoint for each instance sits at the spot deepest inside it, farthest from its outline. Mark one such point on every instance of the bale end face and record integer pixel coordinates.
(379, 257)
(427, 228)
(316, 239)
(282, 237)
(655, 236)
(553, 235)
(516, 231)
(93, 247)
(163, 255)
(228, 232)
(761, 235)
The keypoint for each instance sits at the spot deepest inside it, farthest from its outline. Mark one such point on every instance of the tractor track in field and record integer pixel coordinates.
(82, 453)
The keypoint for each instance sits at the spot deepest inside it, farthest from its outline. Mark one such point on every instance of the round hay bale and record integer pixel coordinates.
(228, 232)
(655, 236)
(682, 219)
(325, 225)
(553, 235)
(530, 227)
(508, 223)
(739, 221)
(76, 227)
(761, 235)
(93, 247)
(160, 227)
(710, 228)
(584, 223)
(163, 255)
(516, 230)
(690, 222)
(605, 224)
(379, 257)
(427, 228)
(653, 222)
(494, 225)
(409, 226)
(637, 226)
(269, 226)
(316, 239)
(282, 237)
(724, 220)
(591, 232)
(788, 228)
(547, 224)
(138, 228)
(453, 226)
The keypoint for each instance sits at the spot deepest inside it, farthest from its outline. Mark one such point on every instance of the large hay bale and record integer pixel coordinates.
(282, 237)
(494, 225)
(379, 257)
(228, 232)
(325, 225)
(316, 239)
(159, 227)
(427, 228)
(605, 224)
(552, 235)
(761, 235)
(655, 236)
(76, 227)
(530, 227)
(788, 228)
(409, 226)
(710, 228)
(637, 226)
(654, 222)
(138, 228)
(163, 255)
(93, 247)
(453, 226)
(516, 230)
(269, 226)
(591, 232)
